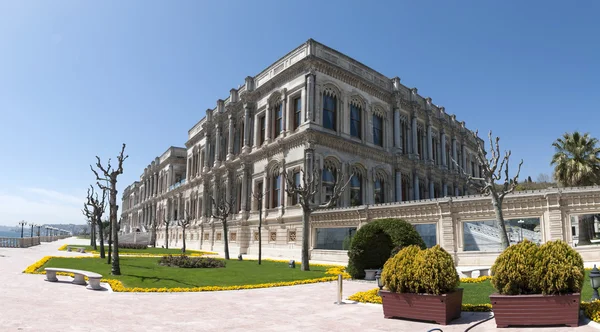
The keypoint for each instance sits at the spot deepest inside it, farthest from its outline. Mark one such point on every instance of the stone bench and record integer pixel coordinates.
(482, 272)
(93, 278)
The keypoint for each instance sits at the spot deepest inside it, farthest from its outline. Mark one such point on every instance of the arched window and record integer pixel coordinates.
(278, 126)
(379, 192)
(329, 111)
(356, 190)
(276, 191)
(377, 130)
(328, 182)
(355, 121)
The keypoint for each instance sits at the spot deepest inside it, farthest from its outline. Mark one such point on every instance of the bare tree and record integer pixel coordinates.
(110, 174)
(259, 196)
(222, 210)
(166, 223)
(184, 223)
(94, 209)
(491, 173)
(153, 231)
(543, 178)
(306, 191)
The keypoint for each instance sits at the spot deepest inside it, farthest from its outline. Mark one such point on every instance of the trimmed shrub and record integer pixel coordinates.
(397, 274)
(132, 246)
(558, 269)
(413, 270)
(374, 242)
(190, 262)
(512, 269)
(525, 268)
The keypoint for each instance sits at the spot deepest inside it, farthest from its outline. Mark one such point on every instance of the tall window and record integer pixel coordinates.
(297, 112)
(420, 145)
(329, 116)
(378, 192)
(355, 123)
(238, 198)
(278, 119)
(377, 130)
(276, 193)
(295, 198)
(404, 135)
(259, 190)
(328, 183)
(356, 190)
(236, 140)
(261, 123)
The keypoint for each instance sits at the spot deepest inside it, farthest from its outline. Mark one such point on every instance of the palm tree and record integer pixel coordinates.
(577, 163)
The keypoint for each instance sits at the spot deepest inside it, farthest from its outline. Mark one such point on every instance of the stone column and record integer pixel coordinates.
(247, 127)
(156, 184)
(454, 153)
(215, 192)
(398, 186)
(455, 189)
(217, 146)
(416, 187)
(397, 127)
(415, 145)
(444, 189)
(429, 142)
(463, 158)
(284, 115)
(206, 154)
(431, 188)
(268, 123)
(443, 144)
(310, 97)
(244, 195)
(230, 139)
(228, 184)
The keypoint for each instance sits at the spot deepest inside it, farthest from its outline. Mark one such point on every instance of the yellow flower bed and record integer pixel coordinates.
(117, 286)
(475, 280)
(63, 247)
(371, 296)
(592, 310)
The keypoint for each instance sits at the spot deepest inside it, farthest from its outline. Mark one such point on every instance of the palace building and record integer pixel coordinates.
(313, 108)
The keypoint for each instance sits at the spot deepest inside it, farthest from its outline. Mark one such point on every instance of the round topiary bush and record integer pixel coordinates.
(373, 243)
(558, 269)
(413, 270)
(525, 268)
(512, 269)
(397, 274)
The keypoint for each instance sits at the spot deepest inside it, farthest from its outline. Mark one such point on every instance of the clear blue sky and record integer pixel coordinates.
(78, 78)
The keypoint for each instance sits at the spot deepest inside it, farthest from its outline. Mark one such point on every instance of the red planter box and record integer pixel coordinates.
(427, 307)
(537, 309)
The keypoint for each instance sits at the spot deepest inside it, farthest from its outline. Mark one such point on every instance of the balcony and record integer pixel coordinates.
(177, 185)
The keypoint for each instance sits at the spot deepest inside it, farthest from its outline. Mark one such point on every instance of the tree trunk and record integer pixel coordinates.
(167, 236)
(504, 243)
(153, 235)
(183, 248)
(305, 239)
(109, 241)
(101, 234)
(260, 233)
(226, 246)
(115, 267)
(93, 236)
(584, 230)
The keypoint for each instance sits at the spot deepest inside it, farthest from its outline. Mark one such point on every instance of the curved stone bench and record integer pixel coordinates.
(93, 277)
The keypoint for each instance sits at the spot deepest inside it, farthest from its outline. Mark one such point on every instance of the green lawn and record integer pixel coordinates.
(478, 293)
(149, 250)
(145, 272)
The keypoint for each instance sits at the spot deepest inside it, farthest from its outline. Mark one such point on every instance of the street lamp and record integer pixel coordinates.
(595, 281)
(22, 223)
(379, 281)
(31, 230)
(521, 222)
(39, 226)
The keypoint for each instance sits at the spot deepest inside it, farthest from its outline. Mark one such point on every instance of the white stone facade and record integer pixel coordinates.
(313, 106)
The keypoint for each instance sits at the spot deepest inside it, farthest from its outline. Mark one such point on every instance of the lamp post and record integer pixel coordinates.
(31, 230)
(521, 222)
(595, 281)
(379, 281)
(38, 227)
(22, 223)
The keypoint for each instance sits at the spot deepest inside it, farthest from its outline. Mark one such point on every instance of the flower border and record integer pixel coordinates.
(117, 285)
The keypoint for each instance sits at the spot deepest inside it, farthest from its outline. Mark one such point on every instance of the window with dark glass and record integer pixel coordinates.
(356, 190)
(297, 112)
(378, 192)
(259, 190)
(473, 168)
(236, 141)
(276, 193)
(329, 116)
(328, 183)
(355, 123)
(261, 123)
(278, 120)
(295, 198)
(377, 130)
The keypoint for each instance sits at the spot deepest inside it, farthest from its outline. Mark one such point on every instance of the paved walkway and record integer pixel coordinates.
(28, 303)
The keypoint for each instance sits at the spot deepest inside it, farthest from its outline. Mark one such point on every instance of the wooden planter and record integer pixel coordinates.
(427, 307)
(536, 310)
